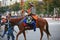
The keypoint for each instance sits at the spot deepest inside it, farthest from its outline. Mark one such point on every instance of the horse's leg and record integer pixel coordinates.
(18, 34)
(47, 31)
(48, 37)
(24, 35)
(47, 34)
(41, 31)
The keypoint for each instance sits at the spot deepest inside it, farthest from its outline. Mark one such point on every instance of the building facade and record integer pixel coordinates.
(9, 2)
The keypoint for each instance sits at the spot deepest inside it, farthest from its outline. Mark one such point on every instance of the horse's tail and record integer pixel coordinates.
(47, 28)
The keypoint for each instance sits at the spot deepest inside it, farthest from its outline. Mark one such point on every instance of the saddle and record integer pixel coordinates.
(29, 21)
(35, 17)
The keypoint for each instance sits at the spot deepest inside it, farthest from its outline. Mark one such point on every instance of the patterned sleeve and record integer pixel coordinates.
(33, 10)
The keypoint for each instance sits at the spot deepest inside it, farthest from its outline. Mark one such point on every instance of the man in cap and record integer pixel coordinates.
(30, 17)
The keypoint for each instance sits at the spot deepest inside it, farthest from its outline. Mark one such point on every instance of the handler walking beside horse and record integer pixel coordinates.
(8, 28)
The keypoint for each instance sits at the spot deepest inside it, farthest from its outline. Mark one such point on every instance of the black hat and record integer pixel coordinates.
(31, 3)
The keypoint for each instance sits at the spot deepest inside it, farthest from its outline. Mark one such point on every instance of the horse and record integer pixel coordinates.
(41, 23)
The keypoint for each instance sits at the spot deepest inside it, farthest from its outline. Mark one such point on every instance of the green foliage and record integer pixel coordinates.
(15, 7)
(51, 8)
(39, 7)
(26, 5)
(51, 5)
(56, 3)
(3, 9)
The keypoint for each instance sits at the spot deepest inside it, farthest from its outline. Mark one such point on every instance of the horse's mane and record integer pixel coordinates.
(15, 20)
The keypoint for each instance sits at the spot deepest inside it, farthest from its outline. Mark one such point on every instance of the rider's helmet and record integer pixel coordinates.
(31, 4)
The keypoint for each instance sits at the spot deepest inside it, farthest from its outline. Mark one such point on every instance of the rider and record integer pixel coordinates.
(31, 9)
(31, 12)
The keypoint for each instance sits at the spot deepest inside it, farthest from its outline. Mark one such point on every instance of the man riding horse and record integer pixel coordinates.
(31, 18)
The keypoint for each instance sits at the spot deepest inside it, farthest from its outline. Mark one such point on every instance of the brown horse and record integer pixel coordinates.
(42, 24)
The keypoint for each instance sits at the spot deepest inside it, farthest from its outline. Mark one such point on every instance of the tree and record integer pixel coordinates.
(15, 7)
(56, 3)
(26, 5)
(3, 9)
(39, 7)
(52, 4)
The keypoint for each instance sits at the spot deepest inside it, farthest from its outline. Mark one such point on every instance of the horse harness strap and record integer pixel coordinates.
(21, 21)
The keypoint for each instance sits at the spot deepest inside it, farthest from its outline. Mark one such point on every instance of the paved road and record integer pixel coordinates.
(54, 28)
